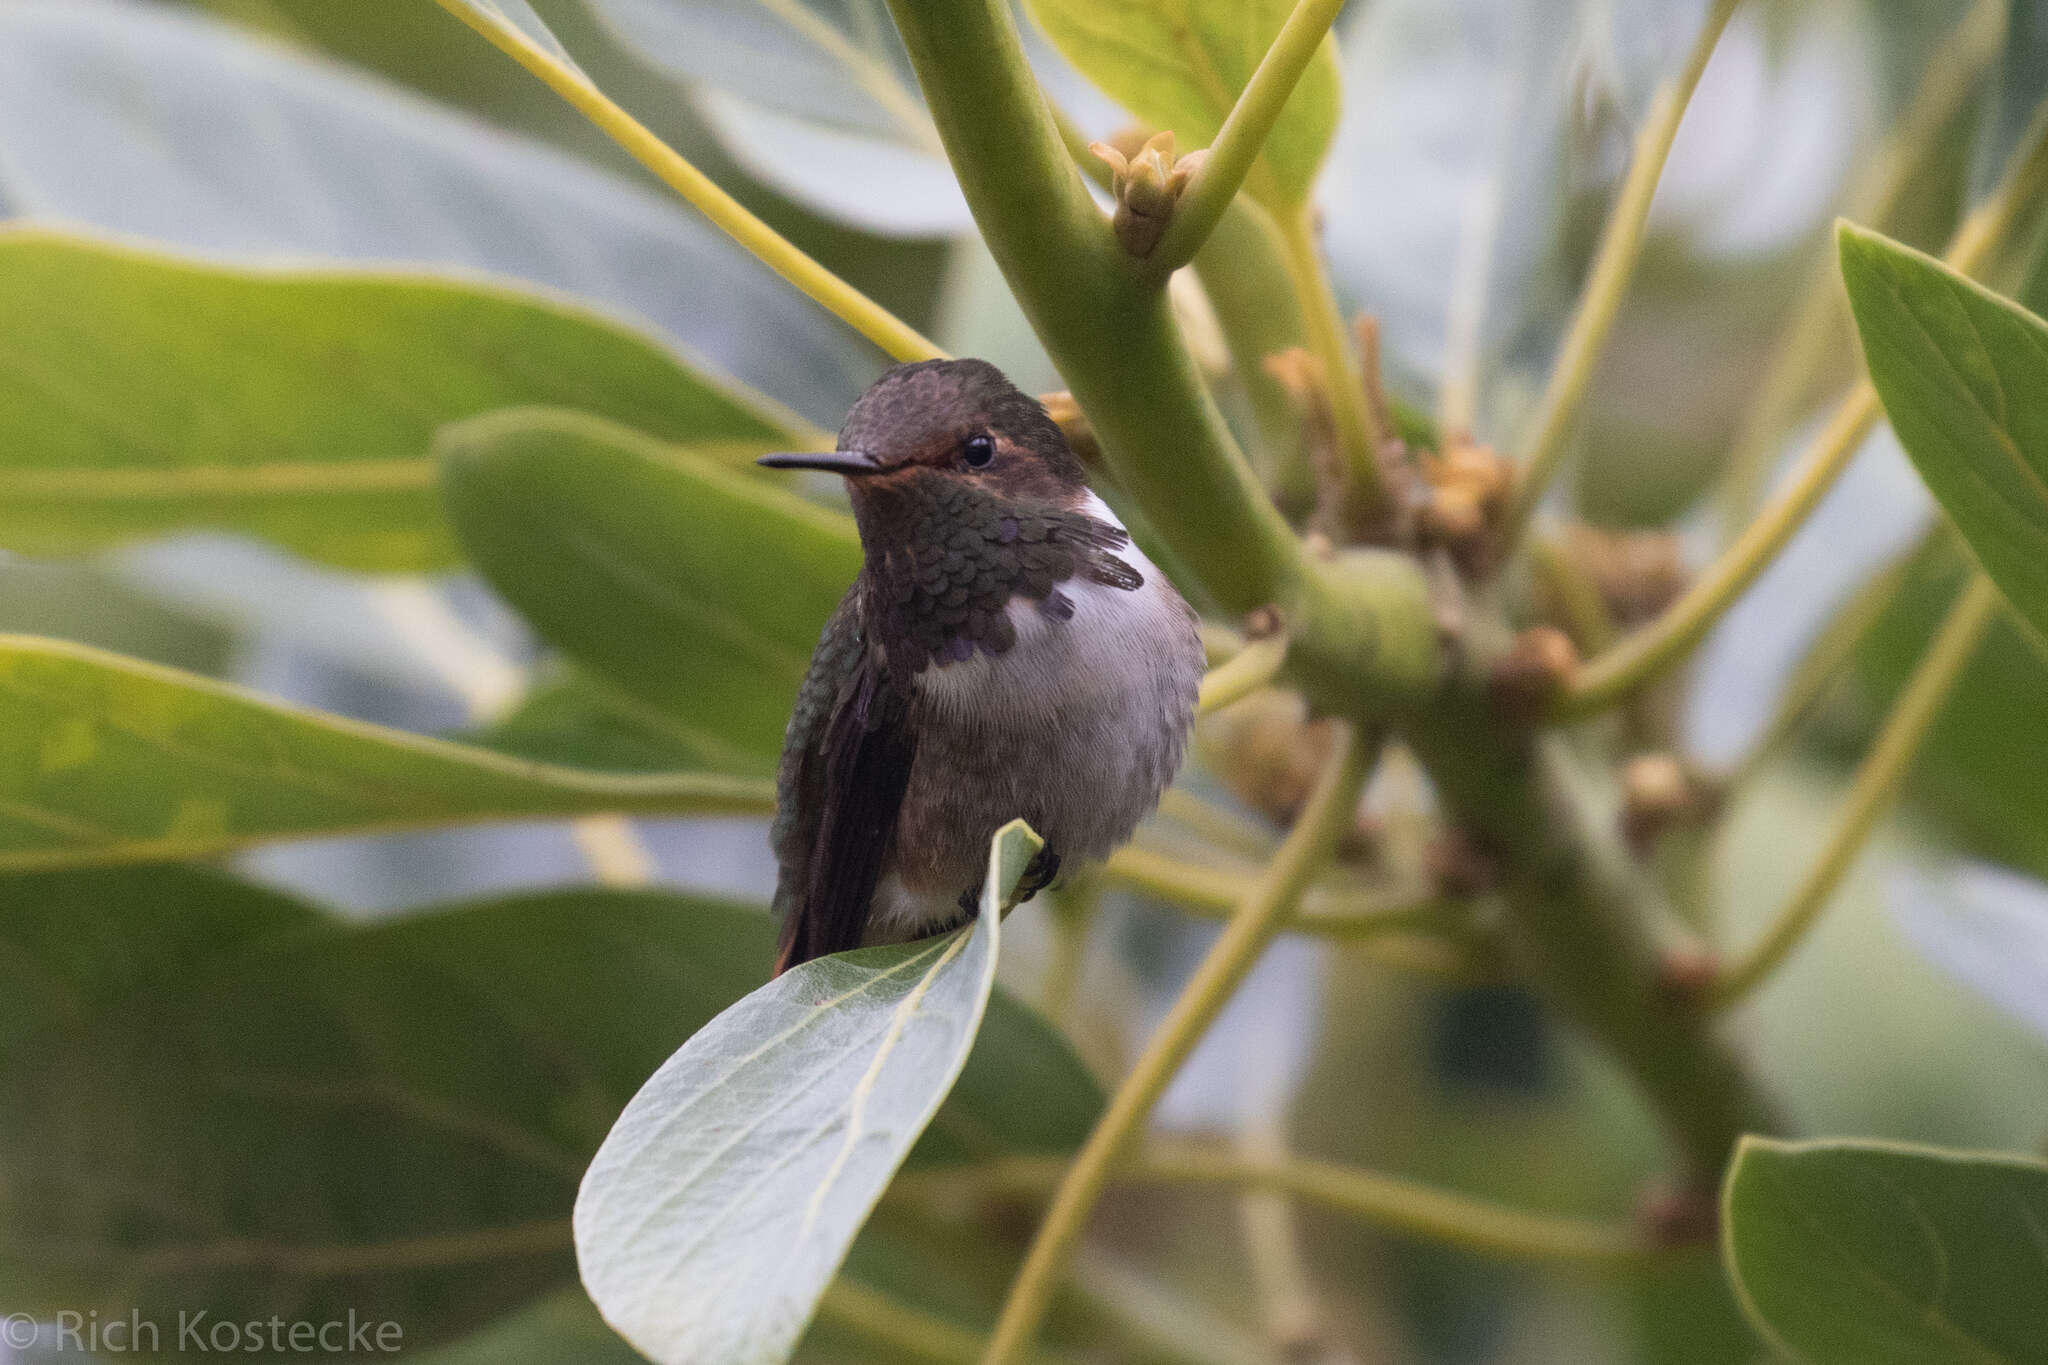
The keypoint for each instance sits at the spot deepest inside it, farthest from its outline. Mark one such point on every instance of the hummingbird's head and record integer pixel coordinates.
(945, 425)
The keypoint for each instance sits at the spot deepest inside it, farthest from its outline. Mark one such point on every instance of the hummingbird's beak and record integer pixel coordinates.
(851, 463)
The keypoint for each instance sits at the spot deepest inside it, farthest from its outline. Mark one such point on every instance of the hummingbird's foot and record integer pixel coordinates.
(1038, 875)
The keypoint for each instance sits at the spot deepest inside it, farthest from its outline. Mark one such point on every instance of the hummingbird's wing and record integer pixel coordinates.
(845, 764)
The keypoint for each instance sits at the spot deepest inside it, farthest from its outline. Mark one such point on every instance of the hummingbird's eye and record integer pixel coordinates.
(978, 451)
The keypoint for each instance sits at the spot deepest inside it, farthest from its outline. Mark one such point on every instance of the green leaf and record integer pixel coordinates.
(276, 154)
(106, 759)
(1866, 1253)
(561, 1329)
(570, 718)
(1180, 64)
(814, 99)
(214, 1098)
(141, 394)
(723, 1202)
(692, 589)
(1964, 378)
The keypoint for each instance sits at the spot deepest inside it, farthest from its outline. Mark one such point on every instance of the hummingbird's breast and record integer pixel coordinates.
(1077, 726)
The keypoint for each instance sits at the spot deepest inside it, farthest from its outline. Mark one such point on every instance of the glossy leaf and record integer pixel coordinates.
(721, 1205)
(1964, 378)
(217, 1099)
(695, 590)
(149, 120)
(141, 394)
(813, 97)
(1180, 64)
(106, 759)
(571, 718)
(1492, 116)
(1863, 1253)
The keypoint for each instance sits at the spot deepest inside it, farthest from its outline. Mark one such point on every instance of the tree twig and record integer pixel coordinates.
(1306, 848)
(1621, 242)
(771, 248)
(1870, 793)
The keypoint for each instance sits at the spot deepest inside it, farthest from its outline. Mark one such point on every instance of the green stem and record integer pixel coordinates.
(1871, 793)
(1243, 271)
(1213, 824)
(1307, 847)
(1645, 655)
(1251, 668)
(1581, 610)
(1621, 243)
(909, 1333)
(1815, 333)
(1648, 653)
(1162, 1323)
(1385, 1201)
(1243, 135)
(1362, 629)
(1282, 1287)
(1584, 924)
(778, 253)
(1358, 434)
(1824, 659)
(1326, 909)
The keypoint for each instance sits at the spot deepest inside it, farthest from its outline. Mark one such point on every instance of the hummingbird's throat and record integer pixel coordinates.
(945, 558)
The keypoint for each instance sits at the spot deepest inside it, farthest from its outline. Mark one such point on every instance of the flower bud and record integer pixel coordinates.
(1147, 185)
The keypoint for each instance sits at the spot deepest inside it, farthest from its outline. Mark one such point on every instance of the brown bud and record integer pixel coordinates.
(1147, 184)
(1464, 504)
(1451, 517)
(1636, 573)
(1264, 623)
(1656, 793)
(1458, 866)
(1530, 675)
(1672, 1218)
(1689, 972)
(1267, 751)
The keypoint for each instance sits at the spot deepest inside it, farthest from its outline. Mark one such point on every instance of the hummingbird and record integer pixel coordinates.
(1005, 651)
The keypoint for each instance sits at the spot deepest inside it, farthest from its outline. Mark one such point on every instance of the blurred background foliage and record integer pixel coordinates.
(1479, 147)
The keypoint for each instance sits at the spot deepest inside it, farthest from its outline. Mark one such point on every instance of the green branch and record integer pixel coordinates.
(1242, 138)
(909, 1333)
(1384, 1201)
(1307, 847)
(1824, 659)
(1584, 924)
(1327, 909)
(1871, 793)
(1358, 434)
(1621, 242)
(1251, 668)
(1646, 655)
(1815, 333)
(1361, 626)
(900, 340)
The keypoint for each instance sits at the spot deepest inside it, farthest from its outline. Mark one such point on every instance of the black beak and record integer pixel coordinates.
(851, 463)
